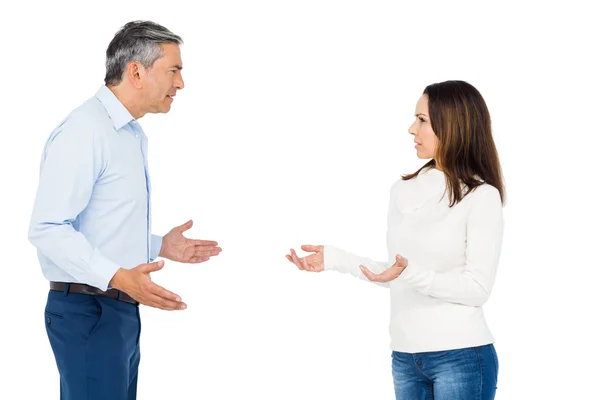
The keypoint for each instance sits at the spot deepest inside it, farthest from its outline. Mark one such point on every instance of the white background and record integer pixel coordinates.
(291, 129)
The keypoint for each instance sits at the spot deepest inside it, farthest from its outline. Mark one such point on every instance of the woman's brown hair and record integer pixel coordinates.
(466, 150)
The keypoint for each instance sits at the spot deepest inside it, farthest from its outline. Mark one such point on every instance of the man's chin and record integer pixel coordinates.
(166, 106)
(163, 109)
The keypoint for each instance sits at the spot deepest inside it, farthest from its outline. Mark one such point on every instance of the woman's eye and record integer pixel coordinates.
(421, 119)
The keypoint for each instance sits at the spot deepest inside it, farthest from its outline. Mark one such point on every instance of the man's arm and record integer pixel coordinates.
(74, 159)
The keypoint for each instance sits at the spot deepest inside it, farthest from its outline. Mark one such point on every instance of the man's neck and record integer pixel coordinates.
(129, 99)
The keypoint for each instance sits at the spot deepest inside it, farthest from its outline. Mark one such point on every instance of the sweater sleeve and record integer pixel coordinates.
(472, 284)
(336, 259)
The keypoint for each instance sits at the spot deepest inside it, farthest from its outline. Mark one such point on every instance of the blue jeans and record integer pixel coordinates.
(462, 374)
(95, 341)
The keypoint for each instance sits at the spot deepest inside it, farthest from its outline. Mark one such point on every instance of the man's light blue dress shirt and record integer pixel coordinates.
(92, 209)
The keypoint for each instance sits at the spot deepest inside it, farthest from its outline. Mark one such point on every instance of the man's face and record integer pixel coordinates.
(162, 80)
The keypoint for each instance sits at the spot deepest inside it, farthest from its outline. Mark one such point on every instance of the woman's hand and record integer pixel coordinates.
(312, 262)
(389, 274)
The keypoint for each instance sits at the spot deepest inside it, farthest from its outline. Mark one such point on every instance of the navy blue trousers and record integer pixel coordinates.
(96, 344)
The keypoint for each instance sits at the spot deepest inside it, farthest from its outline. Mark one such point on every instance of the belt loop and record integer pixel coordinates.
(66, 291)
(118, 295)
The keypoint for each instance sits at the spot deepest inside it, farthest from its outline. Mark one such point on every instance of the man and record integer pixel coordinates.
(91, 219)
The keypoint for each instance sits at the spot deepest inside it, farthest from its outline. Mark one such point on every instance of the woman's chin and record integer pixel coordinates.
(423, 156)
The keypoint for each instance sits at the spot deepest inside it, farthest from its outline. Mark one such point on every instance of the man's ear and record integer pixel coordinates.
(134, 73)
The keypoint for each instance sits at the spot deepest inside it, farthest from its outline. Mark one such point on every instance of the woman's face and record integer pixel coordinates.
(426, 141)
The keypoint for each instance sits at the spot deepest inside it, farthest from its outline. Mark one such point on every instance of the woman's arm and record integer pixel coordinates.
(473, 284)
(342, 261)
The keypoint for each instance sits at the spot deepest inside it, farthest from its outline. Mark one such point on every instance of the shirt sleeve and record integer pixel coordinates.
(155, 245)
(74, 159)
(473, 284)
(336, 259)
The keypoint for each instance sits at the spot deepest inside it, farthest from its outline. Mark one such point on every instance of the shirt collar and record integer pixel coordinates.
(117, 112)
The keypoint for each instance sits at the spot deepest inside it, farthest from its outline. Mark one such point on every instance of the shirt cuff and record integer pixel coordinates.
(103, 271)
(155, 246)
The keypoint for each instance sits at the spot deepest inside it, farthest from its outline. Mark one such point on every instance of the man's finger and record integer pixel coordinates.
(157, 302)
(152, 267)
(208, 252)
(209, 243)
(164, 304)
(198, 260)
(185, 227)
(162, 292)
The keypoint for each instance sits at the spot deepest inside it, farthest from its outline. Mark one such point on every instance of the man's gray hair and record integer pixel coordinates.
(136, 41)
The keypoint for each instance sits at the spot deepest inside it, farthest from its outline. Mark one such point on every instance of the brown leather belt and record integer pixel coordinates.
(94, 291)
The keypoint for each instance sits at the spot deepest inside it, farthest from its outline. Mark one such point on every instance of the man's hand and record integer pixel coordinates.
(177, 247)
(136, 283)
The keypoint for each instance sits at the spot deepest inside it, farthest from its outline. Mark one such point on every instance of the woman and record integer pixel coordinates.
(445, 228)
